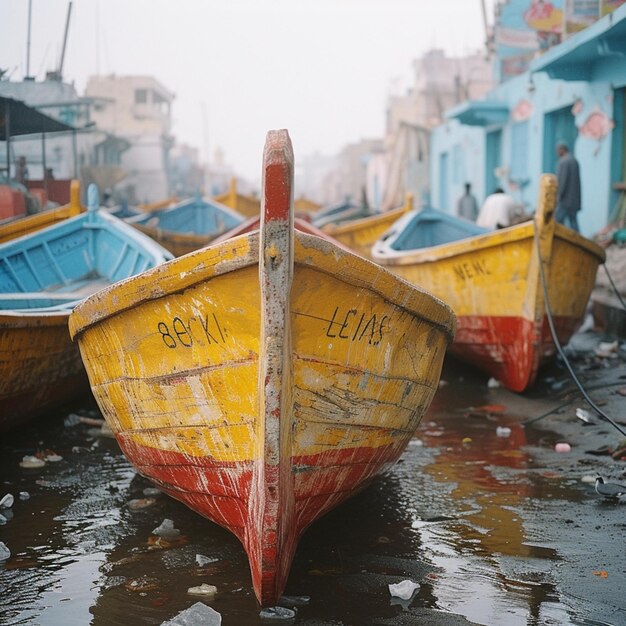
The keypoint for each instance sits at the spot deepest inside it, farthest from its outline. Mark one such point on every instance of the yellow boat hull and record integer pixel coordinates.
(263, 402)
(494, 285)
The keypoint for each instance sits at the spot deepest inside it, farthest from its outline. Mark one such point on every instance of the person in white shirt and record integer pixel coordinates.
(497, 211)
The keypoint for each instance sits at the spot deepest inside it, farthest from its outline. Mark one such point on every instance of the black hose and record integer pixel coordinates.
(591, 403)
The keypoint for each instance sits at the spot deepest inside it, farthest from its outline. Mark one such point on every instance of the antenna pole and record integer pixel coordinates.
(30, 4)
(67, 27)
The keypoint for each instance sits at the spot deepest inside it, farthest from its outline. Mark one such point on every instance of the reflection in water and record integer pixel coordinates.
(458, 517)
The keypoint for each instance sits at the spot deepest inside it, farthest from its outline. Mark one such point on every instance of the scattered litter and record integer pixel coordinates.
(607, 349)
(144, 583)
(6, 502)
(166, 530)
(151, 492)
(601, 573)
(71, 420)
(276, 613)
(140, 503)
(202, 560)
(5, 553)
(585, 416)
(197, 614)
(106, 431)
(24, 495)
(601, 451)
(3, 520)
(503, 431)
(31, 462)
(416, 442)
(562, 447)
(587, 478)
(466, 441)
(53, 458)
(203, 590)
(292, 601)
(403, 590)
(492, 383)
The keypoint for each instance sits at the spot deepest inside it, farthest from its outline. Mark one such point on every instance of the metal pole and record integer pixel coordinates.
(30, 3)
(67, 27)
(7, 104)
(75, 154)
(43, 150)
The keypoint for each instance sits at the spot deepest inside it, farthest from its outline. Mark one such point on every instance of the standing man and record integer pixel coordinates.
(467, 207)
(568, 195)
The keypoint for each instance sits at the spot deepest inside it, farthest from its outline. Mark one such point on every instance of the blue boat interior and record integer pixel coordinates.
(195, 216)
(60, 265)
(430, 227)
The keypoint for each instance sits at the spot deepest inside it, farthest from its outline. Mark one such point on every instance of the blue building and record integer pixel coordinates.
(574, 92)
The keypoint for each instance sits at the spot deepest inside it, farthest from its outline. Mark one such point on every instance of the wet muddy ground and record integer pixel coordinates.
(497, 530)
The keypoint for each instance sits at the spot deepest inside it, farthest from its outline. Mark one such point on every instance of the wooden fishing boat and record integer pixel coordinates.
(340, 212)
(188, 225)
(20, 226)
(42, 277)
(493, 282)
(272, 375)
(244, 204)
(361, 234)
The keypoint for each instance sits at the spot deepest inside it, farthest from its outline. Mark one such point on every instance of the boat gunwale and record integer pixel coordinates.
(364, 222)
(147, 286)
(477, 243)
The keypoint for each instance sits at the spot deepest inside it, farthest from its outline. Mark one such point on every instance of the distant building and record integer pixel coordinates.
(73, 155)
(137, 109)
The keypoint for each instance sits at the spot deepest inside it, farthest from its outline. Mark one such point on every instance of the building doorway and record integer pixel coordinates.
(493, 160)
(559, 125)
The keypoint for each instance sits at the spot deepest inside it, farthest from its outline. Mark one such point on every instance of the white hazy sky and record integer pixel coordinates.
(320, 68)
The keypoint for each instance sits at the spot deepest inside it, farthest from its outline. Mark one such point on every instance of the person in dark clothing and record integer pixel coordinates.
(568, 195)
(467, 206)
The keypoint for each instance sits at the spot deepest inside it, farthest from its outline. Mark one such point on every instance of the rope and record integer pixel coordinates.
(617, 293)
(591, 403)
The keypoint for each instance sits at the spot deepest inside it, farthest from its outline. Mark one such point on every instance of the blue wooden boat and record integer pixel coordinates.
(43, 275)
(188, 225)
(424, 228)
(341, 212)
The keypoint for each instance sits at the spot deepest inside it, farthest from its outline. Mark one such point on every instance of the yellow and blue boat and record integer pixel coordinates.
(271, 376)
(187, 225)
(43, 275)
(494, 282)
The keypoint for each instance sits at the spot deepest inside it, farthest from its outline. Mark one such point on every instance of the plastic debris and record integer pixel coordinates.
(202, 560)
(198, 614)
(31, 462)
(292, 601)
(53, 458)
(492, 383)
(3, 520)
(6, 502)
(140, 503)
(587, 478)
(203, 590)
(277, 613)
(466, 441)
(166, 530)
(585, 416)
(562, 447)
(5, 553)
(607, 349)
(24, 495)
(143, 583)
(503, 431)
(151, 492)
(404, 589)
(416, 442)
